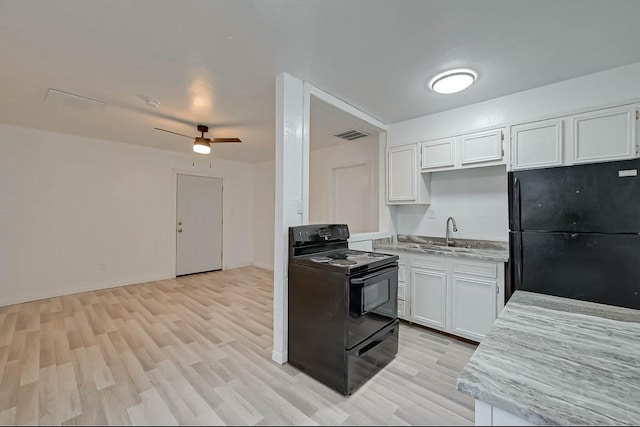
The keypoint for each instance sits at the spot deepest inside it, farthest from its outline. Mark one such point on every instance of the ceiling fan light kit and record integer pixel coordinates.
(202, 145)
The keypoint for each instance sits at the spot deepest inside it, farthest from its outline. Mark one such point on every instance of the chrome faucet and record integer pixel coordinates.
(447, 240)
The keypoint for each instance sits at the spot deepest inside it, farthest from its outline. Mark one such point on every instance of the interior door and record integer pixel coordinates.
(199, 224)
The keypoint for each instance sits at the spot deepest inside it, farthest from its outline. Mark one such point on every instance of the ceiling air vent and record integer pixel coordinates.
(351, 134)
(58, 97)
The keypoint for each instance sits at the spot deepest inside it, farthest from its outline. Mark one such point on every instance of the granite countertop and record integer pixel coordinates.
(557, 361)
(477, 249)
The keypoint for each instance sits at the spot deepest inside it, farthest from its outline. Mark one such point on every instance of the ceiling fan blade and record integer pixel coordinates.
(215, 140)
(175, 133)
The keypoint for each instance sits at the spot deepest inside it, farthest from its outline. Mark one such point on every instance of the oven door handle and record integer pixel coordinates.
(377, 274)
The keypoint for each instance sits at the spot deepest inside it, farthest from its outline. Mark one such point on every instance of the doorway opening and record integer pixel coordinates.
(198, 224)
(344, 164)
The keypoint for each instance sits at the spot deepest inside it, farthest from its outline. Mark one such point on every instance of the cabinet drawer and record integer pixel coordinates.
(432, 263)
(401, 291)
(401, 309)
(474, 268)
(401, 273)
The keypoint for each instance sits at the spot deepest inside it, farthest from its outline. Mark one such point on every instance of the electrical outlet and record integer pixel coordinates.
(431, 213)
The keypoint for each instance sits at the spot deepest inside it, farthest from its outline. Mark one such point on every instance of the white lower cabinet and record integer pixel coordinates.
(429, 297)
(461, 296)
(474, 306)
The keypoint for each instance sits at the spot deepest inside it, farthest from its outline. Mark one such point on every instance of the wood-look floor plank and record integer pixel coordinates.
(197, 350)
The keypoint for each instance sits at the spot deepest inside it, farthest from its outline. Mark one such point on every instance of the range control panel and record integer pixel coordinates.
(315, 233)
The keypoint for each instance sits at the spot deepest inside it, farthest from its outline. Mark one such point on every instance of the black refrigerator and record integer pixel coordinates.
(574, 232)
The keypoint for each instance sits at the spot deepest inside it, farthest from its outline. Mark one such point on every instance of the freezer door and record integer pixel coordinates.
(600, 198)
(602, 268)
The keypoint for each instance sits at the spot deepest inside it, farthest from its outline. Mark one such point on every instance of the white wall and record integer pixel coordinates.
(264, 176)
(609, 86)
(321, 164)
(69, 204)
(475, 198)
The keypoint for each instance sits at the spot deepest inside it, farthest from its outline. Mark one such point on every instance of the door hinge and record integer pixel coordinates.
(497, 289)
(501, 136)
(637, 149)
(637, 114)
(503, 152)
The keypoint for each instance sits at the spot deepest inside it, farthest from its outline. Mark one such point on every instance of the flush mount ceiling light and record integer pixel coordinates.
(453, 81)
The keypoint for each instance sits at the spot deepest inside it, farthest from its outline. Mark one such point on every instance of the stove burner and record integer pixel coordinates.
(377, 255)
(342, 262)
(320, 259)
(355, 253)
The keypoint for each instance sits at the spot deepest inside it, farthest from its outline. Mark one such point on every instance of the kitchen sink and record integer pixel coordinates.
(441, 247)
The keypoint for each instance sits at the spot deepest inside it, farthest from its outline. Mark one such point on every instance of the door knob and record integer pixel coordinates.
(179, 230)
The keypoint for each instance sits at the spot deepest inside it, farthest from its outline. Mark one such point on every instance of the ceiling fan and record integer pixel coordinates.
(201, 144)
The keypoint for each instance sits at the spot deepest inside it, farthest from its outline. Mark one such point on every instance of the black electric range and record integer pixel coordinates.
(343, 325)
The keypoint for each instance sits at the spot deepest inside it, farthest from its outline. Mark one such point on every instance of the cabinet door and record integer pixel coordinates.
(429, 297)
(604, 135)
(536, 145)
(481, 147)
(474, 306)
(437, 154)
(402, 174)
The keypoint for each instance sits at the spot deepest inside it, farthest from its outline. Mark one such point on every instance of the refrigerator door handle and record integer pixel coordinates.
(516, 204)
(517, 251)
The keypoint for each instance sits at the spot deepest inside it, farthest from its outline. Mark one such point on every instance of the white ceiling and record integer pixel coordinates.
(215, 62)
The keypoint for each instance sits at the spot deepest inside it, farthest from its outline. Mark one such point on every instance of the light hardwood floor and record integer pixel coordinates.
(197, 350)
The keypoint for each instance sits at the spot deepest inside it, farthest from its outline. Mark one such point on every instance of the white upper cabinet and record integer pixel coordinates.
(536, 145)
(402, 174)
(463, 151)
(481, 147)
(405, 185)
(438, 154)
(604, 135)
(595, 136)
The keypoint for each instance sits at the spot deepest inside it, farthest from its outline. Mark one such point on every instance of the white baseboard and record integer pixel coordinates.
(261, 265)
(59, 293)
(232, 266)
(279, 358)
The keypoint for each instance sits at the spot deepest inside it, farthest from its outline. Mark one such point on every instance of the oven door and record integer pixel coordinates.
(373, 303)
